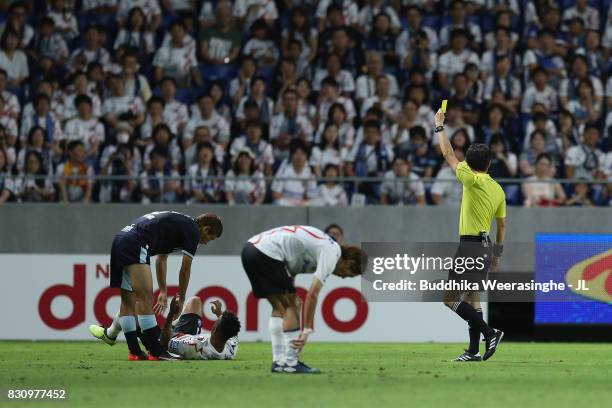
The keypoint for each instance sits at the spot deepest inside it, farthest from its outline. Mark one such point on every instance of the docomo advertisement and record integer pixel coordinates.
(56, 297)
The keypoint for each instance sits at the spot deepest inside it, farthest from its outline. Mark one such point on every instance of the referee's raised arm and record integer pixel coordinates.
(445, 145)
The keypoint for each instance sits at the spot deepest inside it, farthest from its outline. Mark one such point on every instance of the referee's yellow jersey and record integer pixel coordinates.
(483, 199)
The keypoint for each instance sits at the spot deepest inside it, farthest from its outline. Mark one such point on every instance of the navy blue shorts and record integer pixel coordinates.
(127, 250)
(189, 323)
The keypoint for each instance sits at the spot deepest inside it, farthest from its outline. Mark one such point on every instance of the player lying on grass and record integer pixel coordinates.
(182, 335)
(183, 338)
(271, 260)
(158, 233)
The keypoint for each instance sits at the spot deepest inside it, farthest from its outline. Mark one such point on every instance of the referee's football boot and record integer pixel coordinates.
(99, 332)
(300, 368)
(492, 343)
(468, 357)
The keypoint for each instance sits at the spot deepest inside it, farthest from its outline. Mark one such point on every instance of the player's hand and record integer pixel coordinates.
(174, 309)
(216, 308)
(300, 342)
(439, 118)
(162, 303)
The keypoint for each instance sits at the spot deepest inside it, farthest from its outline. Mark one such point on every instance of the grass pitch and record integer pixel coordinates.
(520, 375)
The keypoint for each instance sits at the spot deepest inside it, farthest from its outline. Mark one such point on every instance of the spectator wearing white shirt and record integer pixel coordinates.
(65, 21)
(301, 185)
(372, 9)
(329, 95)
(249, 11)
(365, 86)
(258, 95)
(9, 124)
(585, 108)
(202, 135)
(34, 184)
(585, 160)
(122, 107)
(92, 51)
(539, 91)
(579, 72)
(203, 184)
(503, 47)
(49, 44)
(262, 150)
(401, 186)
(44, 118)
(12, 60)
(7, 185)
(120, 160)
(165, 140)
(11, 106)
(178, 60)
(328, 151)
(17, 13)
(404, 40)
(150, 8)
(589, 15)
(454, 60)
(289, 125)
(135, 34)
(446, 191)
(333, 69)
(35, 142)
(459, 21)
(349, 9)
(538, 190)
(260, 46)
(175, 112)
(545, 55)
(387, 103)
(210, 118)
(80, 86)
(136, 85)
(503, 82)
(337, 116)
(85, 128)
(159, 182)
(302, 31)
(153, 117)
(244, 182)
(330, 192)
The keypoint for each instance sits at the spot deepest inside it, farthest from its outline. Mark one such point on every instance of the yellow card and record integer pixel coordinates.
(444, 102)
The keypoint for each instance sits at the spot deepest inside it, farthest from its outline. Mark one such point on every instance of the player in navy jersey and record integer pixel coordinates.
(158, 233)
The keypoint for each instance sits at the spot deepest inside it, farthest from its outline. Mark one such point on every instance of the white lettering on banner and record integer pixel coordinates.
(58, 296)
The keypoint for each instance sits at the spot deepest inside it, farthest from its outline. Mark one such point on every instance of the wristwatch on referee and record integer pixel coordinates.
(439, 129)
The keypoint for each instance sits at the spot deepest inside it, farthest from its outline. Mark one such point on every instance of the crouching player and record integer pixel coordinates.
(271, 260)
(184, 338)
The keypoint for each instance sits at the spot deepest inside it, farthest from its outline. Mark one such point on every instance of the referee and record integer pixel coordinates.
(483, 199)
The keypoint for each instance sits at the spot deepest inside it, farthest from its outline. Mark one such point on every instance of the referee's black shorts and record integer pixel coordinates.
(472, 260)
(268, 276)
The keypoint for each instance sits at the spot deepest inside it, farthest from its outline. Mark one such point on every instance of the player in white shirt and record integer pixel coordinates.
(271, 260)
(184, 338)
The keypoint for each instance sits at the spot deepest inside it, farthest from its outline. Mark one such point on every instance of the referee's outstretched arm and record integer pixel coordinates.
(445, 146)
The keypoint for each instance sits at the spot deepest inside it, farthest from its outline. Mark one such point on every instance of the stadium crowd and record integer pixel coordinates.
(252, 101)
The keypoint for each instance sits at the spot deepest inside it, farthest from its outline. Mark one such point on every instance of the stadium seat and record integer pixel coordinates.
(211, 72)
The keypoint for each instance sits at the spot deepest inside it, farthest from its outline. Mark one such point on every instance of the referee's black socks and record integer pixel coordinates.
(474, 319)
(475, 336)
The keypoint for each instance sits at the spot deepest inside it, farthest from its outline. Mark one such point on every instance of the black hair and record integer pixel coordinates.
(323, 142)
(40, 182)
(32, 131)
(297, 144)
(155, 99)
(159, 151)
(74, 144)
(7, 32)
(542, 156)
(332, 108)
(236, 167)
(331, 82)
(128, 20)
(329, 166)
(229, 325)
(372, 124)
(418, 131)
(331, 226)
(478, 157)
(82, 99)
(158, 128)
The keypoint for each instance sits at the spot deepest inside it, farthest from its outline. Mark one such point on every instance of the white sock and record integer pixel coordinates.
(275, 326)
(292, 354)
(115, 328)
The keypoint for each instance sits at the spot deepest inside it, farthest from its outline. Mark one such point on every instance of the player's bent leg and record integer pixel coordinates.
(192, 305)
(127, 319)
(275, 327)
(291, 331)
(141, 282)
